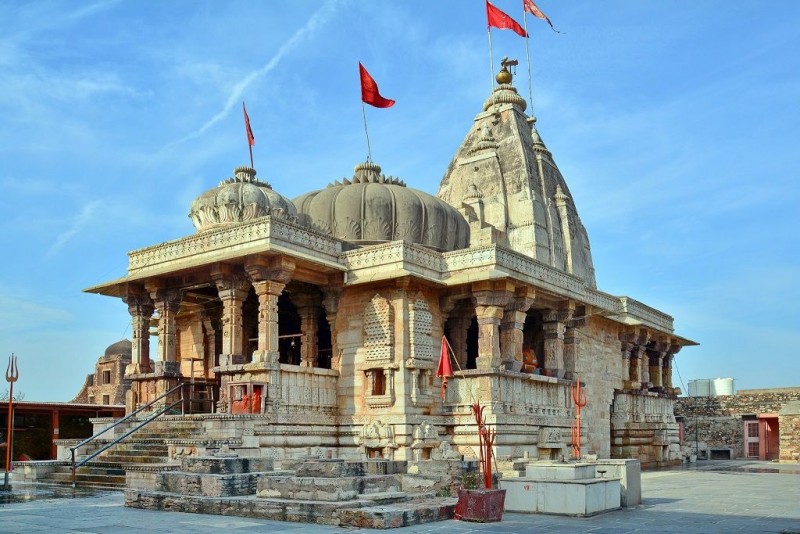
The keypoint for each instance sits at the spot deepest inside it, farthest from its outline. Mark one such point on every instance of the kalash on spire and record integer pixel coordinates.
(505, 181)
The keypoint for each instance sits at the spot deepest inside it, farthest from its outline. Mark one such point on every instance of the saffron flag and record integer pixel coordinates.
(498, 19)
(369, 90)
(251, 140)
(534, 10)
(445, 369)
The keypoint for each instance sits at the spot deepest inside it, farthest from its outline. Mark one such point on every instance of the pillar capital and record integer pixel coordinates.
(277, 269)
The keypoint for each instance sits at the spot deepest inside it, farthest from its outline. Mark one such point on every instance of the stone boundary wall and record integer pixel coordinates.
(743, 403)
(789, 422)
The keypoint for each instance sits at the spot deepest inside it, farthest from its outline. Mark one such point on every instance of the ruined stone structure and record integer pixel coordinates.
(319, 320)
(108, 384)
(753, 423)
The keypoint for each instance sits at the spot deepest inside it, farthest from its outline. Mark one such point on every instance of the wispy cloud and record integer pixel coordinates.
(318, 19)
(87, 211)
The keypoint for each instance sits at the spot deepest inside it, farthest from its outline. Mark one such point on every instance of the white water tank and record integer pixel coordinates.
(700, 387)
(722, 386)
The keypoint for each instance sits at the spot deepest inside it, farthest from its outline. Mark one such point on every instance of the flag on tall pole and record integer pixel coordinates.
(372, 96)
(251, 139)
(529, 7)
(369, 90)
(498, 19)
(444, 370)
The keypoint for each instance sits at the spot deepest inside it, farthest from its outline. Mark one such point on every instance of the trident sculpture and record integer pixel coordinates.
(579, 398)
(12, 374)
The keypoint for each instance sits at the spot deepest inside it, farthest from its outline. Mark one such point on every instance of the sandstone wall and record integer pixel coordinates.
(789, 424)
(745, 402)
(599, 365)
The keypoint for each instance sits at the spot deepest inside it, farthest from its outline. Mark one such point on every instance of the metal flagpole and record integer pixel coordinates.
(528, 57)
(491, 61)
(251, 156)
(366, 132)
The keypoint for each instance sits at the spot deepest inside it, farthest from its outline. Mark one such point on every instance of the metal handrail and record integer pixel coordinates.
(76, 465)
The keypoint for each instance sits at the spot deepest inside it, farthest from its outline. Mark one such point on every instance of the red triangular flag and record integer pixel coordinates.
(445, 369)
(369, 90)
(498, 19)
(251, 140)
(534, 10)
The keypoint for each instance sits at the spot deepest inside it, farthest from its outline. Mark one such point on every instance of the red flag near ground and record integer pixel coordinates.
(251, 140)
(445, 369)
(534, 10)
(498, 19)
(369, 90)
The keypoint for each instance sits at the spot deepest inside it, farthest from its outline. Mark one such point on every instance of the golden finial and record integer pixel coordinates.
(505, 76)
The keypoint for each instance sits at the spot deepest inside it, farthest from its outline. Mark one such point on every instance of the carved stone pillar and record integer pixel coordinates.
(141, 308)
(232, 288)
(571, 343)
(167, 303)
(636, 367)
(655, 358)
(489, 318)
(269, 280)
(626, 349)
(666, 370)
(511, 338)
(553, 324)
(489, 306)
(511, 332)
(308, 307)
(644, 369)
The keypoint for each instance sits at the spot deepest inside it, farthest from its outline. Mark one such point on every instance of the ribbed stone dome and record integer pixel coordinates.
(120, 348)
(239, 199)
(373, 209)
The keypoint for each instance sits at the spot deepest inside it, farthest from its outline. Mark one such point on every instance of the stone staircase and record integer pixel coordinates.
(148, 447)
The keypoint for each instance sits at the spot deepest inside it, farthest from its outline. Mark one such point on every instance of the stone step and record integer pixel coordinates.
(82, 478)
(130, 459)
(325, 488)
(385, 497)
(401, 514)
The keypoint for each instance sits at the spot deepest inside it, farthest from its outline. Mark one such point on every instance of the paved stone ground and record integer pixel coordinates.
(717, 497)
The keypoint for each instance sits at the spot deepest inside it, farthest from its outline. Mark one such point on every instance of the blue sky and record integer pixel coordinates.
(675, 124)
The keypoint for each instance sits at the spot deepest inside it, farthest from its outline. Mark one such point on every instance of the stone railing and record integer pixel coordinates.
(265, 233)
(544, 399)
(308, 389)
(647, 315)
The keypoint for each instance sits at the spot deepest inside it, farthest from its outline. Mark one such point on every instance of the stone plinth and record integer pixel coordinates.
(561, 497)
(559, 471)
(629, 472)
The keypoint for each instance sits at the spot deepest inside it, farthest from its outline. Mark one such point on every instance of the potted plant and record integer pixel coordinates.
(484, 504)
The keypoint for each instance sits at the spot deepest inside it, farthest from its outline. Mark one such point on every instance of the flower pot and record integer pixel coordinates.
(480, 505)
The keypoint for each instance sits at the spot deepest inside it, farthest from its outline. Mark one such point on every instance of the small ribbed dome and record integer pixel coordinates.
(505, 94)
(120, 348)
(373, 209)
(239, 199)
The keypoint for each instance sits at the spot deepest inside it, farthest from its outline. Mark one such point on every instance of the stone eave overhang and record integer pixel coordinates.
(231, 242)
(493, 262)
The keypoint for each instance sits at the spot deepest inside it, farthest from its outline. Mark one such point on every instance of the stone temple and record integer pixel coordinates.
(313, 326)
